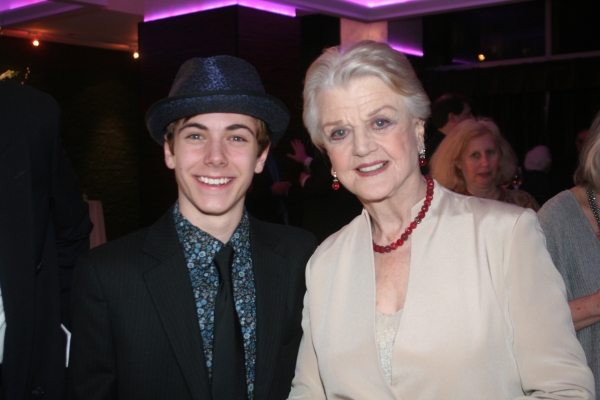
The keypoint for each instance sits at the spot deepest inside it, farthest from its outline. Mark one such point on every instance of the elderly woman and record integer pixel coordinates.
(571, 223)
(427, 294)
(474, 159)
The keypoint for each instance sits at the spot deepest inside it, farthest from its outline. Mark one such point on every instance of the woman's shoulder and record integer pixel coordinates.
(561, 206)
(477, 206)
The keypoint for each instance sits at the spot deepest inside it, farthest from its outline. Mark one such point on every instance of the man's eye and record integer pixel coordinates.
(195, 136)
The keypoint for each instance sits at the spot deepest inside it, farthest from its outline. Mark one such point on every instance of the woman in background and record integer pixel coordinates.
(427, 294)
(571, 223)
(474, 159)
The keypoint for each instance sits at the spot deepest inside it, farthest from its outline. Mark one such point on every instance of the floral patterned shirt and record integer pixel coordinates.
(199, 249)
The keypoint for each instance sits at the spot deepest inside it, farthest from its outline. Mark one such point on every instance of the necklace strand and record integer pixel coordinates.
(413, 225)
(593, 205)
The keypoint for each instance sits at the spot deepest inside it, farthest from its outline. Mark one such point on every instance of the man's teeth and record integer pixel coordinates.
(211, 181)
(371, 168)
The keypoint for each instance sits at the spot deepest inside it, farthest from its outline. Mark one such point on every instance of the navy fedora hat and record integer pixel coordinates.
(220, 84)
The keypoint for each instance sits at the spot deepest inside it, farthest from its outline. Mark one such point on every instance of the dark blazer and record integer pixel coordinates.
(135, 329)
(44, 226)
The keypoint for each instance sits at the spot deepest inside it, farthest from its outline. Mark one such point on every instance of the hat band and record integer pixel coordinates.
(217, 93)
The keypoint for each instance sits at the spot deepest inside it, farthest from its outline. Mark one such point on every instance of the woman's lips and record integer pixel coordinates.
(372, 168)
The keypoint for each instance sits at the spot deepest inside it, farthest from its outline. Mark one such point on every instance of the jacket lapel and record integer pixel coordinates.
(271, 288)
(169, 285)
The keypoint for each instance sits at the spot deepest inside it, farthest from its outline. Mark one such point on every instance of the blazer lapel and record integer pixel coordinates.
(169, 285)
(271, 288)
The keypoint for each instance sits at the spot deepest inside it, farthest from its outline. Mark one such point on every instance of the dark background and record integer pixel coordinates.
(104, 94)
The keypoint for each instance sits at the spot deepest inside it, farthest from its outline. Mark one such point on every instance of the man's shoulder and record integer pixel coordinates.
(283, 231)
(283, 235)
(118, 248)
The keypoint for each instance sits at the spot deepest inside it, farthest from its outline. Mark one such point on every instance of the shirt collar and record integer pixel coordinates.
(186, 231)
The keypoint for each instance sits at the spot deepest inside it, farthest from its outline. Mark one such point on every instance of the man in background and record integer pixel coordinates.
(447, 111)
(44, 227)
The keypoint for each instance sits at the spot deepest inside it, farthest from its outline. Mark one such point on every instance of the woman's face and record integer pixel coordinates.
(371, 138)
(479, 163)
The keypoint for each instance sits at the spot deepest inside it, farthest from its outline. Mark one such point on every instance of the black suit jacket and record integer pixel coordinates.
(135, 329)
(44, 226)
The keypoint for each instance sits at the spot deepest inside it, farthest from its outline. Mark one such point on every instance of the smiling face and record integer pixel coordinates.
(371, 139)
(479, 163)
(214, 158)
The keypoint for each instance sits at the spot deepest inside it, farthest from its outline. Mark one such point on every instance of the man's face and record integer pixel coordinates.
(214, 159)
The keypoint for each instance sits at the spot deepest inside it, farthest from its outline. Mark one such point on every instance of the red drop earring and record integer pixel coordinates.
(422, 159)
(336, 184)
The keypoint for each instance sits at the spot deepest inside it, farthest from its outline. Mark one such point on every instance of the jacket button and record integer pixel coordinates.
(39, 267)
(38, 392)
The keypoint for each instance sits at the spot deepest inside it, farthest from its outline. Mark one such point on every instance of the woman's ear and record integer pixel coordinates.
(420, 132)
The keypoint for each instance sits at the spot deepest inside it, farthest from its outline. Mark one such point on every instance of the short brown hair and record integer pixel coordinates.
(262, 134)
(443, 161)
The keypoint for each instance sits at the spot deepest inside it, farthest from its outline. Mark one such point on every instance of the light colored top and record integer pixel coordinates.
(387, 328)
(575, 250)
(485, 314)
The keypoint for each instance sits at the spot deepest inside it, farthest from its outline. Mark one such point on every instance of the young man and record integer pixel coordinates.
(207, 302)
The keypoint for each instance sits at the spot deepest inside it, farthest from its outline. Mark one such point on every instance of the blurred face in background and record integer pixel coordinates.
(479, 163)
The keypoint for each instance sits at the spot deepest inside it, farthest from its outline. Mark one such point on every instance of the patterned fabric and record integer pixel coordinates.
(386, 330)
(518, 197)
(199, 249)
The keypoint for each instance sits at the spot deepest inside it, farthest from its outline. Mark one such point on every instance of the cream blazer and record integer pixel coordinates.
(485, 315)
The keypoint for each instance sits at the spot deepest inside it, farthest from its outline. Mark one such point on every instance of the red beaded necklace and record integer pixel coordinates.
(413, 225)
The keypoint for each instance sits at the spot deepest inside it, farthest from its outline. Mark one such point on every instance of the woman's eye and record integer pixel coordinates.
(475, 155)
(338, 134)
(381, 123)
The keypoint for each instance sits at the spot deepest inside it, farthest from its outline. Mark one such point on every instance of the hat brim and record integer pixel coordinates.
(259, 105)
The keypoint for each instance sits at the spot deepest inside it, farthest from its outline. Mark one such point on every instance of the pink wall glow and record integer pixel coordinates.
(376, 3)
(407, 50)
(256, 4)
(6, 5)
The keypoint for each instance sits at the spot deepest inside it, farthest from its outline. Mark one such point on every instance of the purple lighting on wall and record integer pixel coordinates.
(6, 5)
(406, 50)
(256, 4)
(376, 3)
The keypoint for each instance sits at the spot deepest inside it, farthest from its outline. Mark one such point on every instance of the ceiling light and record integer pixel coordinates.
(481, 57)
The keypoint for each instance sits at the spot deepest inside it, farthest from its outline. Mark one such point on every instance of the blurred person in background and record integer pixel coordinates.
(536, 180)
(447, 111)
(475, 160)
(44, 227)
(571, 223)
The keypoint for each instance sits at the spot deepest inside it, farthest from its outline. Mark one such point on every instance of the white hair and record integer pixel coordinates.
(367, 58)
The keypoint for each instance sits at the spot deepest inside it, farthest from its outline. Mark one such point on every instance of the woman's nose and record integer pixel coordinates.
(485, 160)
(363, 143)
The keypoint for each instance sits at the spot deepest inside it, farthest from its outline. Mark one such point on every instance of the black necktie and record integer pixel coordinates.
(228, 367)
